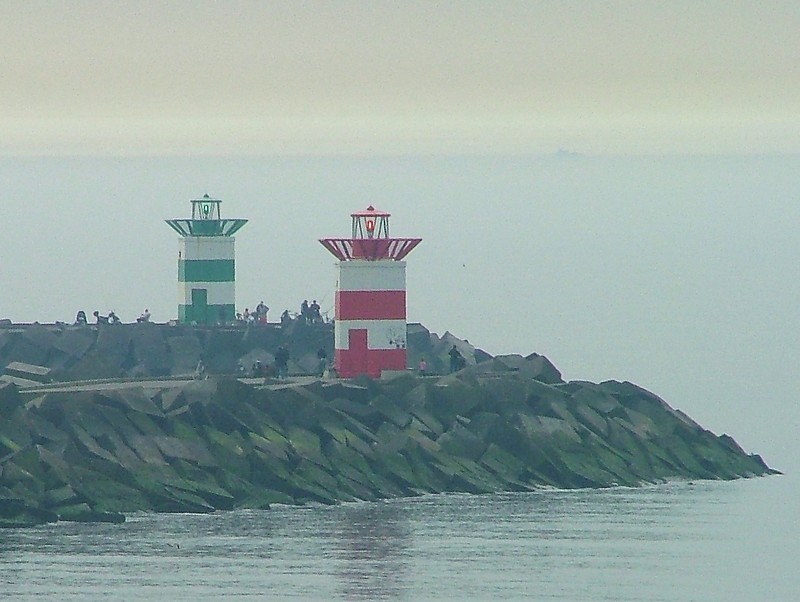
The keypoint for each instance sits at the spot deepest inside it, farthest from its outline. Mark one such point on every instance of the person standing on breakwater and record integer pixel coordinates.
(261, 313)
(322, 356)
(456, 359)
(314, 312)
(423, 367)
(282, 361)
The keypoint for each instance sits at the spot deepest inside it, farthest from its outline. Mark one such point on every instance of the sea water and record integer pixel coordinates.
(702, 540)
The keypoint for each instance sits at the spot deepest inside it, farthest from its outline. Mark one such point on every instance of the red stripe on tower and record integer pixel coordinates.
(370, 305)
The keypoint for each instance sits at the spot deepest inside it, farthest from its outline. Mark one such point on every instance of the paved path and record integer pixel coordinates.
(152, 384)
(106, 385)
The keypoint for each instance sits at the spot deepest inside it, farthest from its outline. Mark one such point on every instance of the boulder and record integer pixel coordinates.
(75, 342)
(149, 349)
(93, 365)
(113, 345)
(40, 336)
(9, 399)
(21, 349)
(185, 352)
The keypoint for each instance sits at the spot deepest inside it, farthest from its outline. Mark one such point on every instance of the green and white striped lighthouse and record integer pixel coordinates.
(206, 264)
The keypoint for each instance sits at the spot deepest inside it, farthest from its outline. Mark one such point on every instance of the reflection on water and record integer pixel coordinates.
(708, 541)
(373, 544)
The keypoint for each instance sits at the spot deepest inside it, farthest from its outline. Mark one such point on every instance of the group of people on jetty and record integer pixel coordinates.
(280, 367)
(457, 362)
(310, 313)
(111, 318)
(257, 316)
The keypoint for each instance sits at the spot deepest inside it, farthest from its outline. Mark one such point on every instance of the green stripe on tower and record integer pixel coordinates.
(206, 314)
(206, 270)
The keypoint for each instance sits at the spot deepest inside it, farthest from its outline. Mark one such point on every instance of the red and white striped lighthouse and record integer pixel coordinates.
(370, 313)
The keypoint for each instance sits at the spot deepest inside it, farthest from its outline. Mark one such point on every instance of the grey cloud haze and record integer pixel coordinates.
(369, 77)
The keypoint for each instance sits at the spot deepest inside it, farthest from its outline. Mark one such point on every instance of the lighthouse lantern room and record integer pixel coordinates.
(370, 307)
(206, 264)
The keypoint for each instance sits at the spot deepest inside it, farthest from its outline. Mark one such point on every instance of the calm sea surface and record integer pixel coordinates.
(681, 541)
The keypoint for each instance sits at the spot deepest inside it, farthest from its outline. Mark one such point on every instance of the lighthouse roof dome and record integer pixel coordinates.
(370, 212)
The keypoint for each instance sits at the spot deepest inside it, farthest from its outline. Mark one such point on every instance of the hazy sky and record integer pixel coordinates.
(660, 248)
(363, 76)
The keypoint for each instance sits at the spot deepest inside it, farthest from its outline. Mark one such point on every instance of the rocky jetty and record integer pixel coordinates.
(94, 452)
(36, 353)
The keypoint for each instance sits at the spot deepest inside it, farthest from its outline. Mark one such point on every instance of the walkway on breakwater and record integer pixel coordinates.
(159, 384)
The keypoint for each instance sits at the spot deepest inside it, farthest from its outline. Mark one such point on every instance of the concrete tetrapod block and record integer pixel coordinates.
(595, 397)
(149, 349)
(395, 468)
(258, 422)
(541, 369)
(75, 342)
(357, 410)
(540, 395)
(460, 441)
(331, 424)
(25, 351)
(93, 365)
(426, 479)
(130, 399)
(306, 445)
(274, 454)
(229, 451)
(507, 396)
(591, 419)
(184, 353)
(113, 344)
(31, 372)
(353, 466)
(64, 494)
(391, 439)
(9, 399)
(454, 399)
(5, 340)
(222, 349)
(506, 467)
(194, 451)
(481, 424)
(16, 513)
(391, 411)
(40, 336)
(14, 432)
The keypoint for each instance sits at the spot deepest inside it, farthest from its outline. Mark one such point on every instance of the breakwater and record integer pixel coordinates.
(97, 451)
(62, 352)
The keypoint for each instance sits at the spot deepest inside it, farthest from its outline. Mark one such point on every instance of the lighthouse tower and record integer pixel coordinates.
(206, 264)
(370, 327)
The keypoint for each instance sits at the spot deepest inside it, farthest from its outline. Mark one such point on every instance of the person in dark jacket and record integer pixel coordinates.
(456, 359)
(282, 361)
